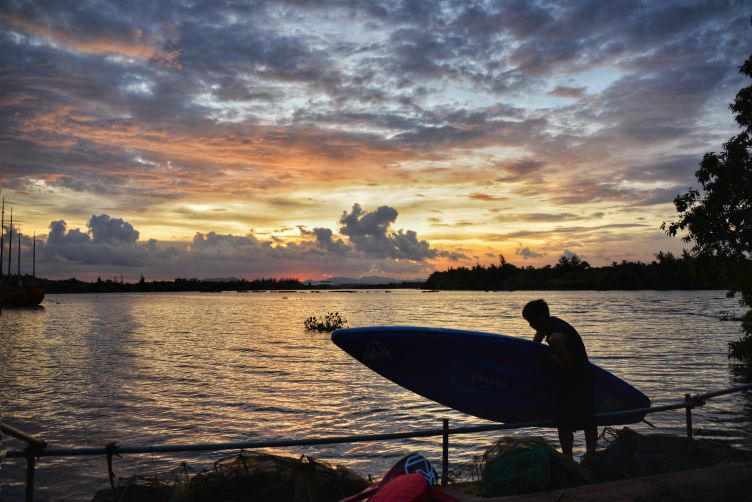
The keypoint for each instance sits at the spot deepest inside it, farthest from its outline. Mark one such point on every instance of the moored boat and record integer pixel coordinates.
(21, 296)
(17, 291)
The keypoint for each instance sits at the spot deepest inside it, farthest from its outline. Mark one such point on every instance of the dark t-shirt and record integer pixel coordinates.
(574, 396)
(575, 346)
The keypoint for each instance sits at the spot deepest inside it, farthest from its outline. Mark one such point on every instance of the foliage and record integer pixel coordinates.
(667, 271)
(117, 285)
(329, 323)
(718, 218)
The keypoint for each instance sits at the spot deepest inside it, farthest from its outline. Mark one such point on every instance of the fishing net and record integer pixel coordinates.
(627, 454)
(515, 465)
(260, 476)
(247, 476)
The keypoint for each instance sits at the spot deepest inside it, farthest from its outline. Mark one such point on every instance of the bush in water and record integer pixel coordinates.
(330, 322)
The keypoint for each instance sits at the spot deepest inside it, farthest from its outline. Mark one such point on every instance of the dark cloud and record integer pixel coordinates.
(660, 195)
(673, 169)
(366, 243)
(570, 254)
(520, 170)
(111, 230)
(108, 243)
(527, 253)
(59, 234)
(144, 102)
(370, 233)
(325, 240)
(563, 91)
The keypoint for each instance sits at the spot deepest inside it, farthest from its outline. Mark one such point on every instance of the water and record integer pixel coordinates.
(195, 368)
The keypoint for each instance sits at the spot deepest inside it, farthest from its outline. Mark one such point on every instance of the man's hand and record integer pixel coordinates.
(538, 338)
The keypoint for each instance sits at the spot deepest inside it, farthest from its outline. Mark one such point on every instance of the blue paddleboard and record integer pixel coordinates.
(491, 376)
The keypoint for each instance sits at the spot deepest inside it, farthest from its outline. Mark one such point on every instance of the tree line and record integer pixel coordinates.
(666, 272)
(118, 285)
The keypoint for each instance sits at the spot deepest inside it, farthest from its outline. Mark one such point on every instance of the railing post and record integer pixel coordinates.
(111, 448)
(30, 462)
(445, 452)
(688, 406)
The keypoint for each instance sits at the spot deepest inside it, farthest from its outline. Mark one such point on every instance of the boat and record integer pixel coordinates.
(17, 291)
(21, 296)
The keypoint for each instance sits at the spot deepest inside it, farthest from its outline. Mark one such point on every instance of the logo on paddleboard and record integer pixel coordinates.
(420, 464)
(375, 350)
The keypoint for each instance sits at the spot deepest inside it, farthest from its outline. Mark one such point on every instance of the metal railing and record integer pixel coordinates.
(37, 448)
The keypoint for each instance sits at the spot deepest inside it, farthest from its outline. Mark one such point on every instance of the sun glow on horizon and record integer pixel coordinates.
(353, 140)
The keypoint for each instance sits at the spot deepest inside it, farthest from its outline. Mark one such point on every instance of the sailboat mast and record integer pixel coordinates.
(34, 255)
(2, 239)
(10, 242)
(18, 271)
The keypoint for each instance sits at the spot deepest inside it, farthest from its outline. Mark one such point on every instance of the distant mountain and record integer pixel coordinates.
(367, 280)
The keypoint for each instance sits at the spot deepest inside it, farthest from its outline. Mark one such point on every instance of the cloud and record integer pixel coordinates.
(108, 243)
(527, 253)
(370, 233)
(112, 230)
(366, 244)
(59, 234)
(539, 217)
(104, 35)
(520, 170)
(486, 197)
(323, 238)
(570, 254)
(129, 107)
(563, 91)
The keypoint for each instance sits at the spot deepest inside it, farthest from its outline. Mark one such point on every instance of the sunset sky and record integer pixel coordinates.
(319, 138)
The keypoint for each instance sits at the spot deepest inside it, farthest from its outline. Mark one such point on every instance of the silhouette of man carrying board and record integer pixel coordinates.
(574, 395)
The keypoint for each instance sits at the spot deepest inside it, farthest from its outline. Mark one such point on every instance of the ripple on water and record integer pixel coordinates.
(184, 368)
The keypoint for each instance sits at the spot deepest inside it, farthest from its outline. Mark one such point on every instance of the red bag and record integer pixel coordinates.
(406, 488)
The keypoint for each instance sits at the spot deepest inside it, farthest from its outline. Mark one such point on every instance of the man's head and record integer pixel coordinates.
(536, 313)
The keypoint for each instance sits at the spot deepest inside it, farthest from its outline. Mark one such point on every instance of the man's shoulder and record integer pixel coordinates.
(561, 325)
(556, 337)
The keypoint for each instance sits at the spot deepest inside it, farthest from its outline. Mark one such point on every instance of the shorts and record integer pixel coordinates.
(575, 407)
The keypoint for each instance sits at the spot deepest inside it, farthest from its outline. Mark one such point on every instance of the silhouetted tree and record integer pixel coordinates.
(670, 272)
(718, 219)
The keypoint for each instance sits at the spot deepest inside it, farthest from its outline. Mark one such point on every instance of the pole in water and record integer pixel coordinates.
(688, 402)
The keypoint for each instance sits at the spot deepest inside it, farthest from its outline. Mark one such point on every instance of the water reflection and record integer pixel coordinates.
(182, 368)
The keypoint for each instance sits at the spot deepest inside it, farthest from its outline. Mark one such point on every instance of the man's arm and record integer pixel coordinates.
(558, 345)
(538, 338)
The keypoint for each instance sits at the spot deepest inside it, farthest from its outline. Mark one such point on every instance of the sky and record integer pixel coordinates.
(317, 138)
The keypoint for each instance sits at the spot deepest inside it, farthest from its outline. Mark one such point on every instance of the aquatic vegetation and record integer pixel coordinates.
(742, 347)
(329, 323)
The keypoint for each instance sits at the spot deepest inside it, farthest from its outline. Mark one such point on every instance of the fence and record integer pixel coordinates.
(37, 448)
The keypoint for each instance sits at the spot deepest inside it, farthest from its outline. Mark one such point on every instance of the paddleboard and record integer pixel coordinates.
(491, 376)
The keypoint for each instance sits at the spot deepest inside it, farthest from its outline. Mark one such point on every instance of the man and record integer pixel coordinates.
(574, 395)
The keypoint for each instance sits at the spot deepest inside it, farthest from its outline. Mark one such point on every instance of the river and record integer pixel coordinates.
(155, 368)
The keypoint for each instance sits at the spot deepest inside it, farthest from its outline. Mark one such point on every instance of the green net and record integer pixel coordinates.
(520, 472)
